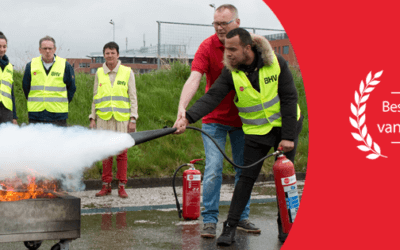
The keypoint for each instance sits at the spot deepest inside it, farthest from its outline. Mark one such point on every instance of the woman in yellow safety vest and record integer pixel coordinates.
(8, 112)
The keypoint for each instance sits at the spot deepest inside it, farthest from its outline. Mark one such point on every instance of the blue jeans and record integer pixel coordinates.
(212, 179)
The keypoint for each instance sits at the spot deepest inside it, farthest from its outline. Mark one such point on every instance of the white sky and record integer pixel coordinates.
(82, 26)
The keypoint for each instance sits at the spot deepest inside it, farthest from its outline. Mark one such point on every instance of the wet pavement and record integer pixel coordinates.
(148, 219)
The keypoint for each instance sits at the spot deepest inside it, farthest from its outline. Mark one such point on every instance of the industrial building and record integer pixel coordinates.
(141, 60)
(281, 45)
(144, 60)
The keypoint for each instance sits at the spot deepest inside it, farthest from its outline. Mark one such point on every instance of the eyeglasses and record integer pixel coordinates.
(222, 24)
(47, 48)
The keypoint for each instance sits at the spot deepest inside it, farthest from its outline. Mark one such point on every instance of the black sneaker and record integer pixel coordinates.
(281, 236)
(248, 227)
(209, 230)
(228, 235)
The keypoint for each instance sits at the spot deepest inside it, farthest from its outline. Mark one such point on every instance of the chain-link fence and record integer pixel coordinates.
(181, 40)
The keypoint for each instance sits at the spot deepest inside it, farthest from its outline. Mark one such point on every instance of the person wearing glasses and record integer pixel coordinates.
(8, 112)
(219, 123)
(49, 85)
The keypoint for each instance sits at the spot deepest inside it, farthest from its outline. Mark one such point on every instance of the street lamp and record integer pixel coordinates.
(212, 5)
(113, 24)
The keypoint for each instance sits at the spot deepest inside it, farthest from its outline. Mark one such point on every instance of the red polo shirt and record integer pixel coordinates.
(208, 60)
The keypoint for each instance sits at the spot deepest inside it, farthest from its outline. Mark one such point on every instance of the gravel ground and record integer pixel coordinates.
(161, 196)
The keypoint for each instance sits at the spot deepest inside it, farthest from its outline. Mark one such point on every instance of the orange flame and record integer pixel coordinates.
(15, 189)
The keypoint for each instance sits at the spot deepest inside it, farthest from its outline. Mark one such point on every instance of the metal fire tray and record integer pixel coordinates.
(41, 219)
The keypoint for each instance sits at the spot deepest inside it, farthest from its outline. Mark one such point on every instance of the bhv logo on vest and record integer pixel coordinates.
(273, 78)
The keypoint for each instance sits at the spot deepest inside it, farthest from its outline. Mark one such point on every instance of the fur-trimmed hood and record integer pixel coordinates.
(262, 45)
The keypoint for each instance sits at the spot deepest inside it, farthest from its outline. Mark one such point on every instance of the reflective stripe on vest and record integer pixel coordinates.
(113, 101)
(6, 86)
(114, 109)
(47, 99)
(259, 111)
(262, 121)
(6, 83)
(259, 107)
(57, 89)
(48, 92)
(115, 98)
(5, 94)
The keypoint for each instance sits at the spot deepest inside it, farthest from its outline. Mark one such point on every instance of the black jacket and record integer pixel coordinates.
(286, 91)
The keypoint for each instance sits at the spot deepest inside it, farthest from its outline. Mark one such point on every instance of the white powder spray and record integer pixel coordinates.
(48, 151)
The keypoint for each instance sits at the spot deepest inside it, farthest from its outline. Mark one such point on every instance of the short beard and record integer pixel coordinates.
(245, 58)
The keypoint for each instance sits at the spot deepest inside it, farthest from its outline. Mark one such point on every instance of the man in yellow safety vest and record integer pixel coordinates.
(266, 99)
(49, 85)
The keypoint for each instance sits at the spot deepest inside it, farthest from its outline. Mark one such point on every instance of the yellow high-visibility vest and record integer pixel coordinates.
(6, 85)
(113, 101)
(259, 111)
(48, 92)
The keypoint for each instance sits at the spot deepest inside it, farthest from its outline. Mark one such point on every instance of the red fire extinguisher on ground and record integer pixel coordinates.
(191, 191)
(287, 193)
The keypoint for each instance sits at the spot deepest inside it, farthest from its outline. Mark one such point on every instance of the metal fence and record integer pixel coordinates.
(188, 37)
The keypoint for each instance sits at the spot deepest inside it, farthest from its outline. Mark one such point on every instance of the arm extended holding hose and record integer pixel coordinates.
(209, 101)
(183, 123)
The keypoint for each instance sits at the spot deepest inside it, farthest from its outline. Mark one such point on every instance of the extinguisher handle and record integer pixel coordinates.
(195, 160)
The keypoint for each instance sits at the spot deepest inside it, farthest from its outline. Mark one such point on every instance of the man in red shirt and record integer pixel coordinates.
(220, 122)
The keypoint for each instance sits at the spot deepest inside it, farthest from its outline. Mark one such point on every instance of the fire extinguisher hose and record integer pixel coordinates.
(227, 158)
(178, 207)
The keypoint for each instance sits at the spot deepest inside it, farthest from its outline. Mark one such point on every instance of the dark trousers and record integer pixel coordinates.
(61, 123)
(253, 152)
(6, 115)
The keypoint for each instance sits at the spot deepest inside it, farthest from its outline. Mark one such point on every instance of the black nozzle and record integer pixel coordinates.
(144, 136)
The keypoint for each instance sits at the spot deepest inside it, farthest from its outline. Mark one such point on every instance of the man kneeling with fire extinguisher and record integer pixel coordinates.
(266, 98)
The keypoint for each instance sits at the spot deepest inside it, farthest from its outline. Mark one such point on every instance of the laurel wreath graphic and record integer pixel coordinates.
(358, 111)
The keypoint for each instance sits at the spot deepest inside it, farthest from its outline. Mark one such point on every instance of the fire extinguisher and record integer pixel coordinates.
(191, 191)
(287, 194)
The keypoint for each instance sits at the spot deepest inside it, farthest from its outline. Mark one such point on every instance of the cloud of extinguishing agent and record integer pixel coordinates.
(51, 152)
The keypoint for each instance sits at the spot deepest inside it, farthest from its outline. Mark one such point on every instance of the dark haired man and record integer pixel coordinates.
(114, 108)
(111, 46)
(267, 102)
(49, 85)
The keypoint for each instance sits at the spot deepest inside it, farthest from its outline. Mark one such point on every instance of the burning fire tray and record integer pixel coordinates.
(41, 218)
